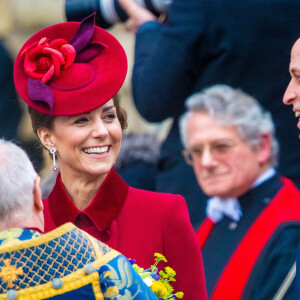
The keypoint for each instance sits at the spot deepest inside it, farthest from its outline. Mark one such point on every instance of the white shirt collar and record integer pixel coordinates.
(216, 208)
(264, 177)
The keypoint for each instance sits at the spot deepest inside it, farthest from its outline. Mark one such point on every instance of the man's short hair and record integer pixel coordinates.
(232, 107)
(17, 177)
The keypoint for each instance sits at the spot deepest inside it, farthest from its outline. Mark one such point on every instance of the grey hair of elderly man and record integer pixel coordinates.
(20, 194)
(232, 107)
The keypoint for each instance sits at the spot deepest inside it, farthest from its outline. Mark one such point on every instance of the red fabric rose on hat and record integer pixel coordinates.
(44, 59)
(56, 69)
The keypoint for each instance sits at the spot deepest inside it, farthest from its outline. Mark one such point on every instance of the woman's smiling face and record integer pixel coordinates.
(87, 143)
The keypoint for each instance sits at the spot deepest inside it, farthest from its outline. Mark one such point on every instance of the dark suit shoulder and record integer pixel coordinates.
(276, 261)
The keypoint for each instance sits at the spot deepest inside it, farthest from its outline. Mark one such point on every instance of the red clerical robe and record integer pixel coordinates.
(137, 223)
(260, 266)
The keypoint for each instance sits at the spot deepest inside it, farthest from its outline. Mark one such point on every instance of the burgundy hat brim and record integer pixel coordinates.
(83, 86)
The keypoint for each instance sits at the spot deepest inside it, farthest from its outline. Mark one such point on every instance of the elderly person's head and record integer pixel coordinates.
(228, 139)
(20, 196)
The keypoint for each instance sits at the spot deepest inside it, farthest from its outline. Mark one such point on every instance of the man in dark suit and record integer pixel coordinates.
(244, 44)
(251, 231)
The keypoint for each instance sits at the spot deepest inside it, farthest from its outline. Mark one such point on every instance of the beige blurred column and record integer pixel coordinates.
(25, 18)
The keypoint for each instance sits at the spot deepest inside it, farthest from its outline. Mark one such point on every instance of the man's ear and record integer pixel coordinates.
(264, 150)
(46, 137)
(37, 195)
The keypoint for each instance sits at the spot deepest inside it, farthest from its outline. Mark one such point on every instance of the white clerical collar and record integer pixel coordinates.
(216, 208)
(264, 177)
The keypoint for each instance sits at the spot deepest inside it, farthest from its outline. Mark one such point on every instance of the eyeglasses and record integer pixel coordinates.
(218, 149)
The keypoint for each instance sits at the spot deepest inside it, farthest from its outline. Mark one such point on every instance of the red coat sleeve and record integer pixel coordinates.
(183, 251)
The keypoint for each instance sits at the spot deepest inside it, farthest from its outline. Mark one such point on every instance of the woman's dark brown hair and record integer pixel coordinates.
(39, 120)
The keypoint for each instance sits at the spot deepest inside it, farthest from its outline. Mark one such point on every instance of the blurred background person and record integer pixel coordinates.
(76, 112)
(136, 163)
(26, 256)
(200, 43)
(251, 231)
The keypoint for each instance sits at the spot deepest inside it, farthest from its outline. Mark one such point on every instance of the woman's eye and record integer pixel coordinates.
(81, 121)
(111, 116)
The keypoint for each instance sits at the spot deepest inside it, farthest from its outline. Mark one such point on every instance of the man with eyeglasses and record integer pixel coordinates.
(250, 235)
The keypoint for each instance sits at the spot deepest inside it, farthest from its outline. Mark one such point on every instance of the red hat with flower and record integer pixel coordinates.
(70, 68)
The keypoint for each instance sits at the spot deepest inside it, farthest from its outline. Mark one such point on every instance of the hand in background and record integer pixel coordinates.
(137, 14)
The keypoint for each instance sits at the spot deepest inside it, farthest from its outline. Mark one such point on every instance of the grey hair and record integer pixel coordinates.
(17, 177)
(232, 107)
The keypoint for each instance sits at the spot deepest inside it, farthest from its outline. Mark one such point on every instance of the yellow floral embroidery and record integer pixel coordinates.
(9, 273)
(10, 235)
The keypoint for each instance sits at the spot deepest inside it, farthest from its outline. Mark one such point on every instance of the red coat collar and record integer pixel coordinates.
(103, 209)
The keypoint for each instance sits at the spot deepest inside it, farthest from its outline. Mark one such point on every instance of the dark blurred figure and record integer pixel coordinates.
(137, 160)
(10, 111)
(244, 44)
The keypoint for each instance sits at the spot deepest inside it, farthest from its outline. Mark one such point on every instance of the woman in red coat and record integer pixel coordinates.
(69, 75)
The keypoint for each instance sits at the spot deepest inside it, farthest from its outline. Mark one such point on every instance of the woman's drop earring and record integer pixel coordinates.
(52, 151)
